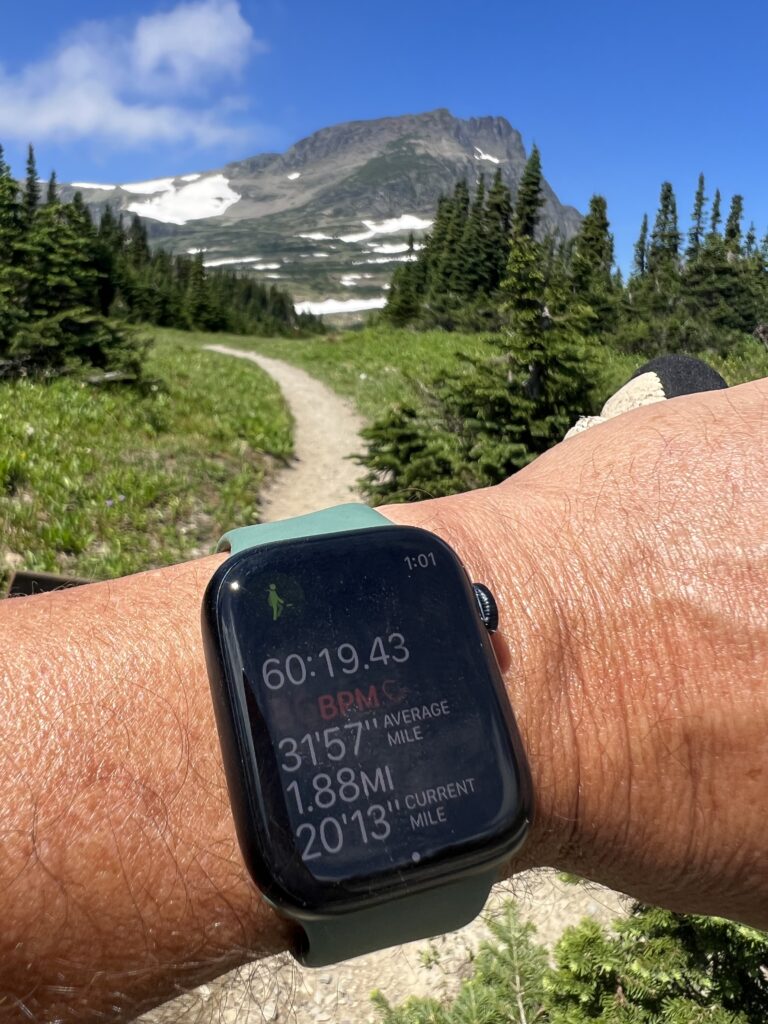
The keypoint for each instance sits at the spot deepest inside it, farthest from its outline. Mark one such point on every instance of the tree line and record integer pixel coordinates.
(563, 326)
(694, 293)
(69, 286)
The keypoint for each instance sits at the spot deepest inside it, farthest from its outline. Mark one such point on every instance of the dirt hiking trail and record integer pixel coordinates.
(326, 432)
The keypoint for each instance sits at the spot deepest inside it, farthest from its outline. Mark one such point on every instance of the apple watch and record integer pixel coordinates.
(375, 770)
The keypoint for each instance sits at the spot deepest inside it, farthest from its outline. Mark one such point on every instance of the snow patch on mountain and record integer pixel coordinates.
(90, 184)
(317, 236)
(408, 258)
(339, 306)
(393, 248)
(405, 222)
(480, 155)
(350, 280)
(148, 188)
(208, 197)
(294, 176)
(255, 262)
(190, 177)
(226, 261)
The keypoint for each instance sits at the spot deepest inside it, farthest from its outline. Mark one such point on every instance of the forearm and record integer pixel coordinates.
(120, 875)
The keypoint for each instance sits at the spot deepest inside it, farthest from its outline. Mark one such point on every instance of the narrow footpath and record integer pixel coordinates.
(327, 432)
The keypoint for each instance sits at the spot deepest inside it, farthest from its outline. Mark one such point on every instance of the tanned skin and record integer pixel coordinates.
(630, 565)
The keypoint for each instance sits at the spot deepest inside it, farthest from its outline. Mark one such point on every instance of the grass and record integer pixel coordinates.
(100, 482)
(380, 366)
(103, 482)
(376, 367)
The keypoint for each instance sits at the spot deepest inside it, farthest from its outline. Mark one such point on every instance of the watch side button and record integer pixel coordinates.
(486, 604)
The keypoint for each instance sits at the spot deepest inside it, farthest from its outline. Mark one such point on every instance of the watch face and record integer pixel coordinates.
(367, 738)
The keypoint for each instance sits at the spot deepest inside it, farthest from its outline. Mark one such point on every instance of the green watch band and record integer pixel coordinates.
(405, 918)
(338, 519)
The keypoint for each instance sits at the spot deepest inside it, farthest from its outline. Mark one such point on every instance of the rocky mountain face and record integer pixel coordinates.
(329, 218)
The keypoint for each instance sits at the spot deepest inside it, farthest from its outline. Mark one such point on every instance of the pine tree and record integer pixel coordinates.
(109, 248)
(31, 188)
(11, 233)
(591, 265)
(653, 967)
(498, 220)
(450, 273)
(697, 232)
(640, 264)
(714, 221)
(529, 199)
(664, 248)
(434, 244)
(750, 240)
(733, 224)
(200, 308)
(52, 194)
(651, 320)
(473, 279)
(403, 300)
(720, 292)
(137, 243)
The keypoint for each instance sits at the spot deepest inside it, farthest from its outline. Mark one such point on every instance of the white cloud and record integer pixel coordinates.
(147, 85)
(184, 46)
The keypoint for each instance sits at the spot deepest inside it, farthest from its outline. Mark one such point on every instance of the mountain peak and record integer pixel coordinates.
(329, 217)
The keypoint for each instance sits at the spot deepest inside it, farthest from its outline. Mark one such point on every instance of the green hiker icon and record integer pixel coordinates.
(276, 603)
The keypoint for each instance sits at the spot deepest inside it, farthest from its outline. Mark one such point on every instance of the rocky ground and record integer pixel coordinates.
(277, 989)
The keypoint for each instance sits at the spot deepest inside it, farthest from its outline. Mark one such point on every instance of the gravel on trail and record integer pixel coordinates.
(326, 433)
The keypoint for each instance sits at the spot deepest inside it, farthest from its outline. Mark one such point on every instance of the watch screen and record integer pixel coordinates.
(369, 711)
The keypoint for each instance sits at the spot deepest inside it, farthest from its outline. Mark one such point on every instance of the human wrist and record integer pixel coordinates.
(114, 800)
(496, 541)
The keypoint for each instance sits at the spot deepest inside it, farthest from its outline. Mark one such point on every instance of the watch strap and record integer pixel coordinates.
(404, 919)
(338, 519)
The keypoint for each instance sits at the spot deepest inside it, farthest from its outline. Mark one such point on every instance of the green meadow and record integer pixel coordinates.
(99, 481)
(102, 481)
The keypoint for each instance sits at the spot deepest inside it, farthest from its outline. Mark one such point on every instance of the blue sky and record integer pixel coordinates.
(619, 96)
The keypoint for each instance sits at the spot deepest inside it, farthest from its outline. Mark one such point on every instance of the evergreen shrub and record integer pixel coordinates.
(653, 967)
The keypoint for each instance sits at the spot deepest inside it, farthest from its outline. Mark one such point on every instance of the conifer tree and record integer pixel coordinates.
(664, 248)
(733, 224)
(750, 240)
(434, 244)
(31, 187)
(137, 243)
(498, 220)
(403, 300)
(529, 199)
(52, 194)
(719, 292)
(591, 263)
(450, 271)
(697, 232)
(11, 230)
(714, 221)
(473, 278)
(640, 264)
